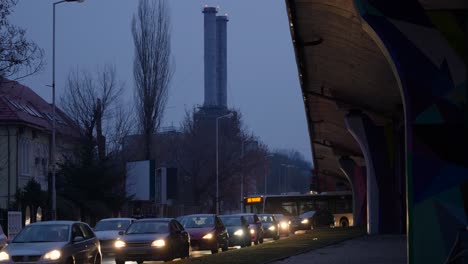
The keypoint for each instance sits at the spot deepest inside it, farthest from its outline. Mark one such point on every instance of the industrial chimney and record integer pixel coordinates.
(221, 60)
(210, 55)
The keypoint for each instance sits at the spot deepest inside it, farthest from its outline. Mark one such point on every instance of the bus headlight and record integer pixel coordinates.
(305, 221)
(272, 228)
(239, 232)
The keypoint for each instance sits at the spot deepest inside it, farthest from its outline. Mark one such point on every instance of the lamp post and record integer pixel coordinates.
(217, 164)
(52, 161)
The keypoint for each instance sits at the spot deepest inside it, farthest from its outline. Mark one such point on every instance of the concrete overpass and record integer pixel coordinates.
(385, 94)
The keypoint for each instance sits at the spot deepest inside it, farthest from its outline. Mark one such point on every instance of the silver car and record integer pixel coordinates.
(53, 242)
(3, 238)
(107, 231)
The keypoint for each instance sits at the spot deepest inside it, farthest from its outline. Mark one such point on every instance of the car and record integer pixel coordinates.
(152, 239)
(311, 220)
(270, 226)
(3, 238)
(255, 227)
(283, 223)
(53, 242)
(238, 230)
(207, 232)
(107, 231)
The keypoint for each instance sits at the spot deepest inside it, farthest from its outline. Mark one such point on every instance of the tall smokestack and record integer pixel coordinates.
(221, 60)
(210, 55)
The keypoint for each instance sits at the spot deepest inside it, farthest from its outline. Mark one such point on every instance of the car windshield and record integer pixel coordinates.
(249, 219)
(112, 225)
(307, 214)
(197, 221)
(266, 218)
(148, 227)
(43, 233)
(231, 220)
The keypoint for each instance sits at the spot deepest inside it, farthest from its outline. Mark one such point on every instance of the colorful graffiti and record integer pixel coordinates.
(428, 50)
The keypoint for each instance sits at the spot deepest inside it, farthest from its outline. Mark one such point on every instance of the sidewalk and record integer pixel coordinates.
(381, 249)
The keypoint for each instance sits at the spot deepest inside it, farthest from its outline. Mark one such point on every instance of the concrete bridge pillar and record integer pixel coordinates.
(357, 177)
(383, 199)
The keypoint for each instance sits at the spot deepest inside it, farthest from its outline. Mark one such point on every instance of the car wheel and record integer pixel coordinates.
(187, 252)
(119, 261)
(261, 240)
(140, 262)
(276, 237)
(97, 260)
(70, 260)
(225, 246)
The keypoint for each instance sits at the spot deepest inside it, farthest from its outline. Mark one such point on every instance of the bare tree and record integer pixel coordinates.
(94, 102)
(196, 160)
(19, 57)
(152, 68)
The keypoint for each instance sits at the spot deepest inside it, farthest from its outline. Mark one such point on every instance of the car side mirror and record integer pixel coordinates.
(78, 239)
(121, 233)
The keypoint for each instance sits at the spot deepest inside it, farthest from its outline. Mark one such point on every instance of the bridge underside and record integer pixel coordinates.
(377, 78)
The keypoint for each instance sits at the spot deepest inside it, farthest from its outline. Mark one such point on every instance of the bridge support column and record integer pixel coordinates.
(382, 186)
(357, 177)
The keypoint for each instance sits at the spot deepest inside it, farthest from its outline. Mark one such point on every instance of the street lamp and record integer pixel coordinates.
(217, 166)
(54, 193)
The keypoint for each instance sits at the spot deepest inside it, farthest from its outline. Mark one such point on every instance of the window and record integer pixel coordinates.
(24, 156)
(76, 231)
(86, 231)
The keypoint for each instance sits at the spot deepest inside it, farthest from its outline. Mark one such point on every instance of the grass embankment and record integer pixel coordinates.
(280, 249)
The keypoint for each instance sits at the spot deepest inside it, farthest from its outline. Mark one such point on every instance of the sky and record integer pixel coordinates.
(262, 72)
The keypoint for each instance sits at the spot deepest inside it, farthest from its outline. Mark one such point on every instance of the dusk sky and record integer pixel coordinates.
(262, 73)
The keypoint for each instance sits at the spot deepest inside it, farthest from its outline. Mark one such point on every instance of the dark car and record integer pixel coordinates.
(238, 229)
(207, 232)
(53, 242)
(3, 238)
(270, 226)
(107, 231)
(152, 239)
(255, 227)
(283, 224)
(311, 220)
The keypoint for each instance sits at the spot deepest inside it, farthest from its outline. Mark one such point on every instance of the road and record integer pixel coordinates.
(193, 254)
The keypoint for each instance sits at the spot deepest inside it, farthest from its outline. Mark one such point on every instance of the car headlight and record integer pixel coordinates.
(284, 225)
(53, 255)
(158, 243)
(239, 232)
(4, 256)
(252, 231)
(272, 228)
(119, 244)
(305, 221)
(208, 236)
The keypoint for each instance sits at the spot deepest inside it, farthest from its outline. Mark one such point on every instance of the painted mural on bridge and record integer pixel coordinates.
(428, 50)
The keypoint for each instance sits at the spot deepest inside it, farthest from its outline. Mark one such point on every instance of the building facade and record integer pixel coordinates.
(26, 139)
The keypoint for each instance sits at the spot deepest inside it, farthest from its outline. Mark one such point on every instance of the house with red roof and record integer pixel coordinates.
(26, 138)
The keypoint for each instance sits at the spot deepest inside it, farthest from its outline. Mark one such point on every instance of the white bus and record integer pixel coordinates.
(340, 204)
